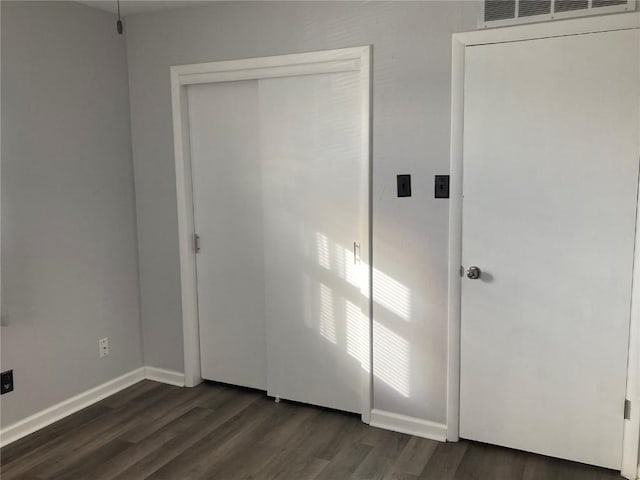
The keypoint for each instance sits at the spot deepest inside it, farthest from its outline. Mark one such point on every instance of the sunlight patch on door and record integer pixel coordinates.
(357, 334)
(322, 246)
(392, 359)
(391, 294)
(327, 314)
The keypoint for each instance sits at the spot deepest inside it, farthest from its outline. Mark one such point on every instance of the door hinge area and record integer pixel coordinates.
(627, 409)
(196, 242)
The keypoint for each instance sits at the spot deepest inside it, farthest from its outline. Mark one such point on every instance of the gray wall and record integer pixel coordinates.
(68, 215)
(411, 110)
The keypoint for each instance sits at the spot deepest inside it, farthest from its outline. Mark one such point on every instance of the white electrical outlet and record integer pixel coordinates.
(103, 346)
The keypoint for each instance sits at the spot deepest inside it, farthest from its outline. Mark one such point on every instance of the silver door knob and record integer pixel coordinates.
(473, 273)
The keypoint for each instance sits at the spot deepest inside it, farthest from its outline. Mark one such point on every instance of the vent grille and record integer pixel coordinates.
(507, 12)
(568, 5)
(608, 3)
(499, 9)
(534, 7)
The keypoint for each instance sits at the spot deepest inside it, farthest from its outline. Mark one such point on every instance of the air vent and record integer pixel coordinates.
(608, 3)
(534, 7)
(568, 5)
(499, 9)
(509, 12)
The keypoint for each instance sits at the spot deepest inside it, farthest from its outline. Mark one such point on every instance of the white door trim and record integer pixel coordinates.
(460, 41)
(356, 59)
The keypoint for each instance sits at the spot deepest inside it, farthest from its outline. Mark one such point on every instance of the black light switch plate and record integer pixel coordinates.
(6, 382)
(404, 185)
(442, 186)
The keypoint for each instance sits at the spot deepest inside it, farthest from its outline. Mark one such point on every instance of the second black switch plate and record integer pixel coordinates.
(441, 186)
(404, 185)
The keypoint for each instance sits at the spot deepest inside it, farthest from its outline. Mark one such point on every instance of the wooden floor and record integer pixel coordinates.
(213, 431)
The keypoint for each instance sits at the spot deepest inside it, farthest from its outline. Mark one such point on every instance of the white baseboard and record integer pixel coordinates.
(22, 428)
(164, 376)
(65, 408)
(408, 425)
(39, 420)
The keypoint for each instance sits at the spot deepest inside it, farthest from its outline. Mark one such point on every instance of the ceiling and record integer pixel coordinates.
(132, 7)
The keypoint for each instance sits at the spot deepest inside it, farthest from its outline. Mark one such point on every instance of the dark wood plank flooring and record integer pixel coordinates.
(214, 431)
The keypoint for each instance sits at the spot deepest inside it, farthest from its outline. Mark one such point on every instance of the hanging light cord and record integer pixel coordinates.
(119, 23)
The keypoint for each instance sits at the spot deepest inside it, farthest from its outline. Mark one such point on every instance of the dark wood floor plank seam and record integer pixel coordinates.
(51, 433)
(444, 462)
(155, 461)
(416, 455)
(113, 467)
(123, 397)
(85, 467)
(345, 463)
(194, 463)
(191, 398)
(244, 455)
(293, 455)
(80, 436)
(82, 441)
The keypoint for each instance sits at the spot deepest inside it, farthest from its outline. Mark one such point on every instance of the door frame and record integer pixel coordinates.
(630, 468)
(354, 59)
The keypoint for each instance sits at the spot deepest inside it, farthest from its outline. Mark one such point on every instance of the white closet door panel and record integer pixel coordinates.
(550, 186)
(315, 193)
(228, 216)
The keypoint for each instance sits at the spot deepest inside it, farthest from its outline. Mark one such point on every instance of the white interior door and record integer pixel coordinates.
(315, 183)
(227, 183)
(551, 147)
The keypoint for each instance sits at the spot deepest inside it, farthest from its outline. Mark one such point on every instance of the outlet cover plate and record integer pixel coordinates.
(103, 347)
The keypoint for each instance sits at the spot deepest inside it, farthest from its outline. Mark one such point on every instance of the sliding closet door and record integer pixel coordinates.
(223, 121)
(313, 143)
